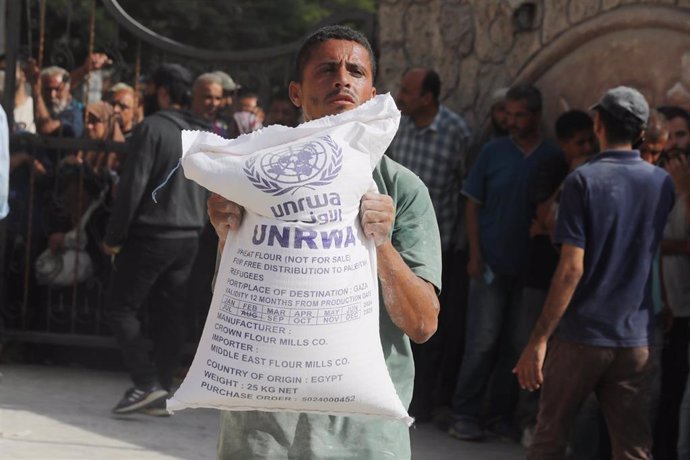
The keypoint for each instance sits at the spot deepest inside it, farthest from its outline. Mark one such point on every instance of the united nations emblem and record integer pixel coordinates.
(309, 165)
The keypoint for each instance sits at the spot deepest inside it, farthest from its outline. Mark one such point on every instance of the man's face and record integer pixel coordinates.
(282, 112)
(650, 151)
(248, 104)
(410, 99)
(95, 127)
(521, 121)
(336, 78)
(579, 146)
(123, 106)
(206, 99)
(678, 135)
(55, 93)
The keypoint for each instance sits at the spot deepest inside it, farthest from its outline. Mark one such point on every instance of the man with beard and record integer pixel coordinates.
(122, 100)
(432, 141)
(498, 219)
(675, 266)
(56, 113)
(154, 244)
(207, 100)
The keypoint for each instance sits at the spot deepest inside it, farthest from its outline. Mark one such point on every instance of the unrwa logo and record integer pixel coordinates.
(309, 165)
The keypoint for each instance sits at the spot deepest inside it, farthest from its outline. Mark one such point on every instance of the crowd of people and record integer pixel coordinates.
(502, 246)
(589, 232)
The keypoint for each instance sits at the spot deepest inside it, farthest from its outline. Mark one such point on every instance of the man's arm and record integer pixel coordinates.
(131, 187)
(679, 170)
(563, 284)
(411, 302)
(94, 61)
(45, 124)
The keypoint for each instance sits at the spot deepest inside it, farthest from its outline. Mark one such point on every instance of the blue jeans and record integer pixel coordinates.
(494, 340)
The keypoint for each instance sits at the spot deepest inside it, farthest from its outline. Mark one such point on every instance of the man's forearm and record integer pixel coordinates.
(411, 302)
(472, 218)
(671, 247)
(44, 122)
(562, 288)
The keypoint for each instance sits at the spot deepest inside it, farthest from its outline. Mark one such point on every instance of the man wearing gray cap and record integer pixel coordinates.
(611, 218)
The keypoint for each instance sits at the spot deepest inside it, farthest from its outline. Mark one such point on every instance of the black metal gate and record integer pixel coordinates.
(72, 315)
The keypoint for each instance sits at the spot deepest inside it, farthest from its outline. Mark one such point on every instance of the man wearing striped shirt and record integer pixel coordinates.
(432, 142)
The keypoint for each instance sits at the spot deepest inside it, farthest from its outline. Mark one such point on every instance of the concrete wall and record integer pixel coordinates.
(571, 49)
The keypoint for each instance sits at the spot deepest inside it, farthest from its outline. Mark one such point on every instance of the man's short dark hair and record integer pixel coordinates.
(432, 84)
(527, 93)
(335, 32)
(176, 80)
(283, 96)
(672, 111)
(243, 93)
(572, 122)
(657, 127)
(619, 131)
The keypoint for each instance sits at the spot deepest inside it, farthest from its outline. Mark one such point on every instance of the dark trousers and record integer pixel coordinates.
(156, 269)
(674, 372)
(620, 377)
(493, 343)
(437, 361)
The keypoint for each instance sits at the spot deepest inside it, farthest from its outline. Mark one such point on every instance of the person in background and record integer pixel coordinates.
(498, 217)
(248, 102)
(56, 112)
(611, 217)
(153, 244)
(432, 141)
(655, 138)
(498, 125)
(678, 129)
(225, 124)
(282, 111)
(675, 263)
(207, 100)
(679, 169)
(23, 103)
(122, 100)
(574, 132)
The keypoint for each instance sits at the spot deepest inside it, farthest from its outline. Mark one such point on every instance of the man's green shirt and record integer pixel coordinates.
(286, 435)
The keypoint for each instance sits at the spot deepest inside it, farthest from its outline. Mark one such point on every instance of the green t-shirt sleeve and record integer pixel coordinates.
(415, 231)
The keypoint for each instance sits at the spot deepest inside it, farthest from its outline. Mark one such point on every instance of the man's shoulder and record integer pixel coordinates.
(390, 176)
(452, 120)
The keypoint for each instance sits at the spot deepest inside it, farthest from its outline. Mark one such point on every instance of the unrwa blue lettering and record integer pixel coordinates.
(285, 237)
(314, 202)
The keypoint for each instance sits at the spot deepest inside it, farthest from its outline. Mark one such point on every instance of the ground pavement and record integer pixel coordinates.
(52, 412)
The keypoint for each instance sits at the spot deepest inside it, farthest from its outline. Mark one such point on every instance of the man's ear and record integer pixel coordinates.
(295, 93)
(373, 91)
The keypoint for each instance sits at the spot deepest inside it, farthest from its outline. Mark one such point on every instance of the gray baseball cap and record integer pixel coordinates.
(227, 82)
(624, 103)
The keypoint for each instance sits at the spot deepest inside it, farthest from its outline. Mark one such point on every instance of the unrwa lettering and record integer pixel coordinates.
(298, 238)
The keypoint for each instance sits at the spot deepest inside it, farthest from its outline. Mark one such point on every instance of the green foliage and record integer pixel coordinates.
(236, 24)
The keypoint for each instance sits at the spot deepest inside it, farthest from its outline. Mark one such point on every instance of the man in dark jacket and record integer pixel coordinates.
(154, 243)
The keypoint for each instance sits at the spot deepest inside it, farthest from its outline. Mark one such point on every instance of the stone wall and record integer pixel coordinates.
(571, 49)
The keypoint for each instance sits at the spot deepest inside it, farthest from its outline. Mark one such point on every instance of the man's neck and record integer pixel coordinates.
(528, 143)
(606, 146)
(425, 117)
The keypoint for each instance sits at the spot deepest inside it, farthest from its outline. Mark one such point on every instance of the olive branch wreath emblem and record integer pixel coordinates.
(276, 189)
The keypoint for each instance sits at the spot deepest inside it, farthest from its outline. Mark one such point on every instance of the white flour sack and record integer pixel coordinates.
(294, 321)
